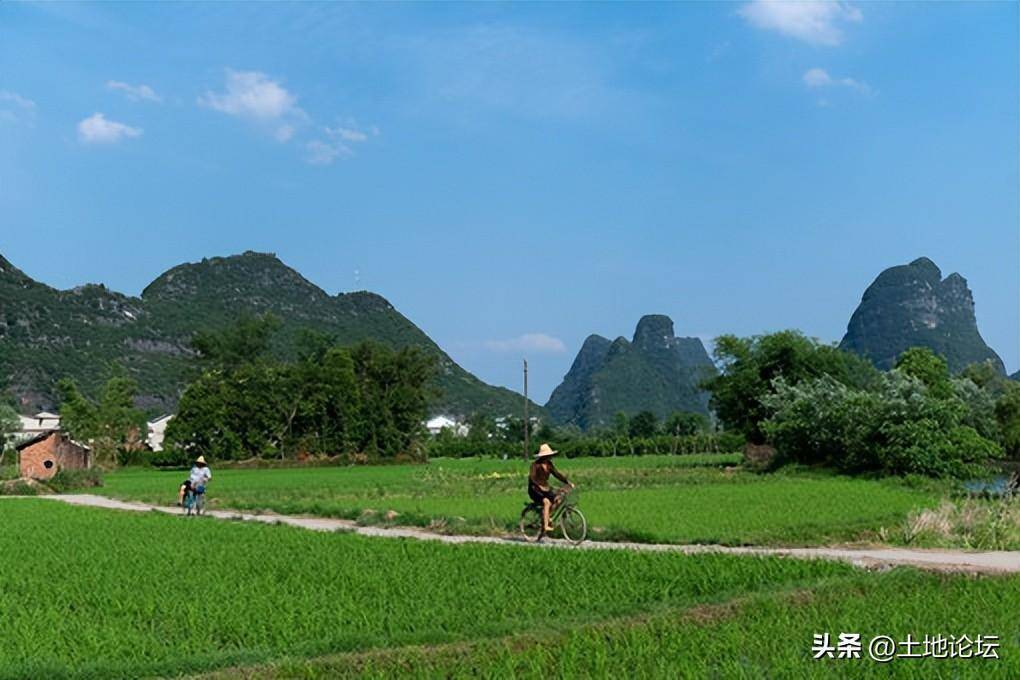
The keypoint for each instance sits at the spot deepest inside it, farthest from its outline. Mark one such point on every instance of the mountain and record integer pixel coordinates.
(1016, 376)
(913, 306)
(656, 371)
(47, 334)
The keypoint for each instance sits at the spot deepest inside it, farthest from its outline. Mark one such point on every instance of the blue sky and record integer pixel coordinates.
(516, 177)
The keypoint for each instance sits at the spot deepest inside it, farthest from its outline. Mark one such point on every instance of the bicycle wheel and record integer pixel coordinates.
(531, 524)
(573, 525)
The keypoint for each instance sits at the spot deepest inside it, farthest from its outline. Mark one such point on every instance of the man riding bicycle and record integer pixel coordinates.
(196, 481)
(538, 483)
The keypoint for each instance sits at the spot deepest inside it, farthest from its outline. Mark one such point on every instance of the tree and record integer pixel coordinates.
(902, 427)
(9, 424)
(120, 425)
(928, 367)
(621, 424)
(644, 424)
(394, 396)
(481, 428)
(750, 367)
(546, 432)
(331, 400)
(1007, 412)
(112, 426)
(248, 341)
(78, 416)
(683, 423)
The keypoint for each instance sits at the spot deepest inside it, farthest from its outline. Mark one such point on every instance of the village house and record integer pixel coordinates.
(33, 426)
(157, 432)
(440, 423)
(43, 455)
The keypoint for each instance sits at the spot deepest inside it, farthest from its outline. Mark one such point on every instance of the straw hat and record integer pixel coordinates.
(200, 459)
(544, 451)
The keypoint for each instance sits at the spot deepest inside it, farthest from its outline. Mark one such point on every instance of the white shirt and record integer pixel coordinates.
(200, 475)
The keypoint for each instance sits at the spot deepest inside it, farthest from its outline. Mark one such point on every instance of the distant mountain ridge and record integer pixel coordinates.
(47, 334)
(656, 371)
(912, 305)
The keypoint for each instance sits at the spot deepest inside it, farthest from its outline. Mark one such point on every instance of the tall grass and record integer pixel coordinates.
(977, 524)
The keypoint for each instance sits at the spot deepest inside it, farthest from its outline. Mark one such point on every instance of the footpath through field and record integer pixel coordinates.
(940, 560)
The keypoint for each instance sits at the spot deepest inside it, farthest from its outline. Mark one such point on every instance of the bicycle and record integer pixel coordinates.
(571, 521)
(194, 502)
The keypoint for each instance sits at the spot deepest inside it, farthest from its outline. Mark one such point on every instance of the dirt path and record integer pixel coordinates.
(941, 560)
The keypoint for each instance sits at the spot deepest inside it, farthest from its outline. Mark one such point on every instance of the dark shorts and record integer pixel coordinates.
(537, 495)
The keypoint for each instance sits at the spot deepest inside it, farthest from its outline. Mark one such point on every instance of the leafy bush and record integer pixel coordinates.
(135, 457)
(9, 472)
(1007, 412)
(18, 487)
(902, 427)
(750, 368)
(69, 480)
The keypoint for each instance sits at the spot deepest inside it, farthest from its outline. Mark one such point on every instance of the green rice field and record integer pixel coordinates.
(669, 499)
(762, 635)
(92, 593)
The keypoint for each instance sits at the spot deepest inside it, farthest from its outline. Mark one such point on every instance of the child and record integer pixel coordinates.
(185, 487)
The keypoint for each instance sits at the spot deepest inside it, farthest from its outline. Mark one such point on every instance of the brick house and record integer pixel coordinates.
(43, 455)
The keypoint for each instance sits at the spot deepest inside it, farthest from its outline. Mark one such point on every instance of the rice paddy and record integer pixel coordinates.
(668, 499)
(91, 593)
(105, 594)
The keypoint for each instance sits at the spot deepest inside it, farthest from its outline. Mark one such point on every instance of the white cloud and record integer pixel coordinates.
(324, 152)
(17, 100)
(529, 342)
(338, 143)
(257, 97)
(15, 109)
(135, 93)
(96, 129)
(347, 134)
(817, 77)
(813, 21)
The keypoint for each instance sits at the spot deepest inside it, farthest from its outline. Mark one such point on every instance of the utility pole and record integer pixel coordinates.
(527, 443)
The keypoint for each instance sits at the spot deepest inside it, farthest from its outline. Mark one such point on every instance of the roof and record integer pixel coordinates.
(42, 436)
(36, 424)
(161, 419)
(35, 439)
(46, 415)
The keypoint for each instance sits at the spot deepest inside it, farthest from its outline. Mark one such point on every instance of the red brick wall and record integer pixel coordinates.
(58, 451)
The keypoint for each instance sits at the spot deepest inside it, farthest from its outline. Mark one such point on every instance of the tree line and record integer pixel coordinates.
(810, 402)
(817, 404)
(640, 434)
(367, 399)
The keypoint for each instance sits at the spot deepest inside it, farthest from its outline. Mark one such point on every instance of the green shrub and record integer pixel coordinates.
(69, 480)
(902, 427)
(9, 472)
(134, 457)
(18, 487)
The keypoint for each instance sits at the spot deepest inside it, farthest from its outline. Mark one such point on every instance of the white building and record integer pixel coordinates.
(33, 426)
(440, 423)
(157, 432)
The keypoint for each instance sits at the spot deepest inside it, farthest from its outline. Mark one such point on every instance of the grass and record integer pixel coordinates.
(971, 523)
(671, 499)
(104, 594)
(756, 636)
